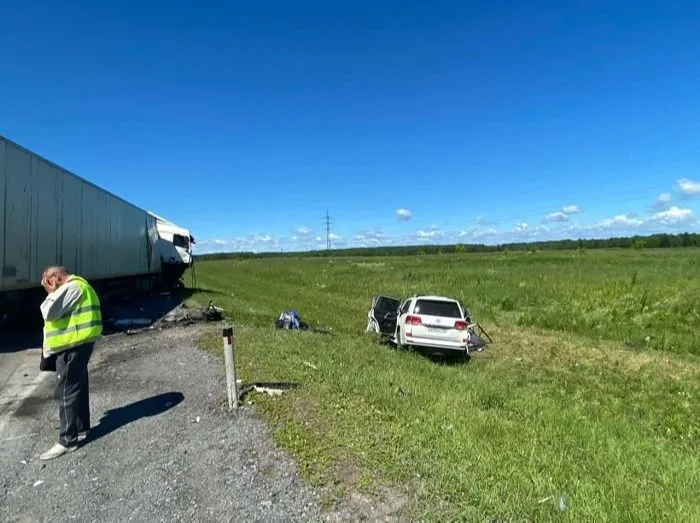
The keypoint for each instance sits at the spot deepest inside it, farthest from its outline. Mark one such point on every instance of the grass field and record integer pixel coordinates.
(585, 408)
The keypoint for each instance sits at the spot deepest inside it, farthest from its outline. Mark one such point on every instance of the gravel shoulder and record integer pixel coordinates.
(164, 447)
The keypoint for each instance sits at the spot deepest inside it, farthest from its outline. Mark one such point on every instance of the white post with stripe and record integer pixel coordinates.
(229, 356)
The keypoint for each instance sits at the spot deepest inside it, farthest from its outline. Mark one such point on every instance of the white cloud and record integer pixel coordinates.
(523, 230)
(665, 218)
(473, 233)
(571, 209)
(689, 188)
(303, 232)
(265, 239)
(564, 215)
(431, 233)
(255, 242)
(403, 214)
(620, 221)
(673, 216)
(481, 233)
(663, 202)
(556, 217)
(371, 238)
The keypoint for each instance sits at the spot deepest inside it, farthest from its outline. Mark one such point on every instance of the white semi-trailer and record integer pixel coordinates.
(50, 216)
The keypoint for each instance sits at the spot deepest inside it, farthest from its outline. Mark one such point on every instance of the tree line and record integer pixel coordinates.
(654, 241)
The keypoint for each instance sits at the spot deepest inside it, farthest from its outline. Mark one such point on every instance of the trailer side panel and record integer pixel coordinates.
(51, 216)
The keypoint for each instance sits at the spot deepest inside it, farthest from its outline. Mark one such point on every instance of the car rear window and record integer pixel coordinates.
(448, 309)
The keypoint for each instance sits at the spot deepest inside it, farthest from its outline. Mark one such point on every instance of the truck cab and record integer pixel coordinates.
(174, 247)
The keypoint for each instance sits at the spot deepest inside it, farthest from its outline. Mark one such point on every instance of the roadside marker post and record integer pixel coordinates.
(229, 355)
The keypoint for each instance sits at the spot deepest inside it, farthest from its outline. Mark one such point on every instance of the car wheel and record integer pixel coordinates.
(398, 340)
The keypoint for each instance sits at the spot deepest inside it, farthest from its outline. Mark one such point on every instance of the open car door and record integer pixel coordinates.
(381, 317)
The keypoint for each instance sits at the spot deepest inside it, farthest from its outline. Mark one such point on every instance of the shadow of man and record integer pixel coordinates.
(114, 419)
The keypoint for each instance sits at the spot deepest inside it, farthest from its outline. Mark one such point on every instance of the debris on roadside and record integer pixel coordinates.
(177, 316)
(132, 322)
(180, 316)
(290, 320)
(269, 388)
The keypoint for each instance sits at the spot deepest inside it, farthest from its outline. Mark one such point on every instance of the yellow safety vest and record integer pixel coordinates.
(82, 325)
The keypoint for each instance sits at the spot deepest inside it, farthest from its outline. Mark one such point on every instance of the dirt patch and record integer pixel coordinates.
(383, 504)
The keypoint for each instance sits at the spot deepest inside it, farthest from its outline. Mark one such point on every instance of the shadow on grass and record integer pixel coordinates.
(114, 419)
(322, 331)
(450, 359)
(305, 328)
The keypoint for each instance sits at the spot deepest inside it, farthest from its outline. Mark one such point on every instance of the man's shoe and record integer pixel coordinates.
(56, 451)
(82, 436)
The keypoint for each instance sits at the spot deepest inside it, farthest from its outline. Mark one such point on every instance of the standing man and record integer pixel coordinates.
(72, 324)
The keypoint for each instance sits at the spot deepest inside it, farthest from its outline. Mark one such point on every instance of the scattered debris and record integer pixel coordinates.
(131, 322)
(180, 316)
(290, 320)
(561, 503)
(310, 365)
(209, 313)
(269, 388)
(196, 420)
(39, 482)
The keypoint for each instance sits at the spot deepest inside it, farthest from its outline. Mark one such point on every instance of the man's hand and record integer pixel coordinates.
(51, 283)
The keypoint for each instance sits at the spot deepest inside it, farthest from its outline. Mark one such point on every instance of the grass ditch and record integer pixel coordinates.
(548, 424)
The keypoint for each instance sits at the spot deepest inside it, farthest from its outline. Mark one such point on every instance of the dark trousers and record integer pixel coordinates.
(72, 393)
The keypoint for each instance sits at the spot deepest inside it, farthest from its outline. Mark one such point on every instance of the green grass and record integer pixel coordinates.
(557, 408)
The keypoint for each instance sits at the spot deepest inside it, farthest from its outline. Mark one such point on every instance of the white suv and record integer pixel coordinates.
(437, 323)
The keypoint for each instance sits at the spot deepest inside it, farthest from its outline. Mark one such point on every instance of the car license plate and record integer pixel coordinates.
(436, 330)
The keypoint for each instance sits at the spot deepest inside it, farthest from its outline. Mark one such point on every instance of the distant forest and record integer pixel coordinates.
(654, 241)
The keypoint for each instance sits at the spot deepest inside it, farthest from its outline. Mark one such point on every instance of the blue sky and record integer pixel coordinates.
(409, 121)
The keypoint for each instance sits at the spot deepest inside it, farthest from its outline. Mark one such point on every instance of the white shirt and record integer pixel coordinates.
(59, 303)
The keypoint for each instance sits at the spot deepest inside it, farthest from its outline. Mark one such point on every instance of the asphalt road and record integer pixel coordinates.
(163, 446)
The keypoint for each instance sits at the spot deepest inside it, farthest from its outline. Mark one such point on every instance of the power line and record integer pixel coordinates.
(328, 230)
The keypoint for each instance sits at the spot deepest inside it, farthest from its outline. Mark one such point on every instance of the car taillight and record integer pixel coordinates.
(413, 320)
(460, 325)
